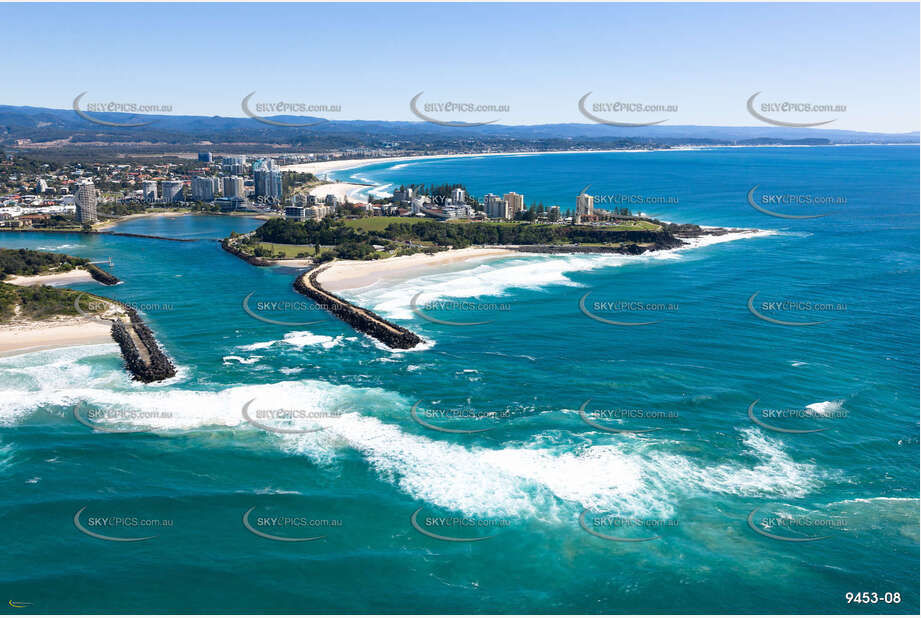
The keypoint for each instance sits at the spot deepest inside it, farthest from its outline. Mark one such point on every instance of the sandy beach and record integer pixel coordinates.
(318, 168)
(341, 190)
(74, 276)
(22, 337)
(349, 274)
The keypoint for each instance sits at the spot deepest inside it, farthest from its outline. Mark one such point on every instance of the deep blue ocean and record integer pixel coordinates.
(705, 460)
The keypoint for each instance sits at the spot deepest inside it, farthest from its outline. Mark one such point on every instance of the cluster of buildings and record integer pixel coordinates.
(504, 207)
(236, 183)
(230, 191)
(232, 183)
(405, 202)
(306, 207)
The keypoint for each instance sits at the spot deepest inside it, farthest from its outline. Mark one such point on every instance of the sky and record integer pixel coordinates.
(704, 61)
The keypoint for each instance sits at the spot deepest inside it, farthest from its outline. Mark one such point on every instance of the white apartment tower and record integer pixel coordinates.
(150, 190)
(85, 200)
(585, 204)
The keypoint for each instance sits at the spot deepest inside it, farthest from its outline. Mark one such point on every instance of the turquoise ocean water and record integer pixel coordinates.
(720, 496)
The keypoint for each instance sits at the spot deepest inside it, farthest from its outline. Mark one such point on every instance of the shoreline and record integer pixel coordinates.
(77, 275)
(352, 274)
(35, 336)
(345, 275)
(318, 168)
(323, 167)
(342, 190)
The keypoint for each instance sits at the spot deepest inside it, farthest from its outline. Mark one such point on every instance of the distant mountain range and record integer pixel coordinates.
(65, 129)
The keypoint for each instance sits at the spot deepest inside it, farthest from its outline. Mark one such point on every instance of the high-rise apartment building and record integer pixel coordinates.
(85, 201)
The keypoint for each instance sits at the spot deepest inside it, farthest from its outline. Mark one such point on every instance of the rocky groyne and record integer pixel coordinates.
(103, 277)
(360, 319)
(144, 358)
(130, 235)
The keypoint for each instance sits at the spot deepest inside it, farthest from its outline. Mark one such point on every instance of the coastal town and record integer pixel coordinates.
(42, 195)
(309, 221)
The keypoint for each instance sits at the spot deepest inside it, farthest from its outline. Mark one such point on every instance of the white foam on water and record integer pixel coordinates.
(876, 499)
(23, 375)
(427, 344)
(826, 408)
(243, 361)
(636, 478)
(499, 277)
(304, 338)
(534, 479)
(381, 191)
(775, 474)
(260, 345)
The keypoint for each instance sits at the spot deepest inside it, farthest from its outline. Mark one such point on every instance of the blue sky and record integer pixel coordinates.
(538, 59)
